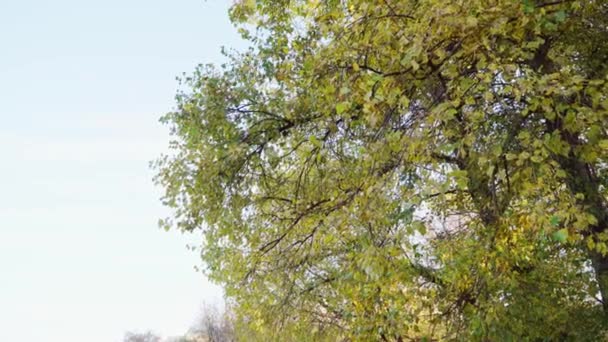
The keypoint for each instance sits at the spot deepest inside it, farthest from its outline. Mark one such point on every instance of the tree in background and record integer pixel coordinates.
(401, 170)
(213, 325)
(141, 337)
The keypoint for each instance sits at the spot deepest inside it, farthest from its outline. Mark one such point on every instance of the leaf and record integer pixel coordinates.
(561, 235)
(560, 16)
(528, 6)
(419, 226)
(342, 107)
(313, 139)
(415, 65)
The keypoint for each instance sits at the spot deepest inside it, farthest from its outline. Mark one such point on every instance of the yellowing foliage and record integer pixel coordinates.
(403, 170)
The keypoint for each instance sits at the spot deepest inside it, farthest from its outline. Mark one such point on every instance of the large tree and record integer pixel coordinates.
(403, 169)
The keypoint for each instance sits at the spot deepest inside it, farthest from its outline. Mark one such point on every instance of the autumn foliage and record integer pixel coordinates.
(402, 170)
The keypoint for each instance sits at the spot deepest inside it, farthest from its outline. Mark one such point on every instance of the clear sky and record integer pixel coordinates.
(82, 84)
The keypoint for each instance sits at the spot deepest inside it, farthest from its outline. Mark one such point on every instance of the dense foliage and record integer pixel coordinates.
(403, 169)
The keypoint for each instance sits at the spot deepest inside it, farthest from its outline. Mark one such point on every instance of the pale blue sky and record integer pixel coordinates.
(82, 84)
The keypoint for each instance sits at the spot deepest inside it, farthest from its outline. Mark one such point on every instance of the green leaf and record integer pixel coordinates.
(529, 6)
(420, 227)
(560, 16)
(315, 141)
(342, 107)
(561, 235)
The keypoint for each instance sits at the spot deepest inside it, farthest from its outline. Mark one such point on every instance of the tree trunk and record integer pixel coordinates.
(600, 266)
(581, 179)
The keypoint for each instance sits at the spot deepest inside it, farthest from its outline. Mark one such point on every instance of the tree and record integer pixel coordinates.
(393, 170)
(211, 326)
(215, 326)
(141, 337)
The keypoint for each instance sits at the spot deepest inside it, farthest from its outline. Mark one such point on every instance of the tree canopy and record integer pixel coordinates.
(402, 169)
